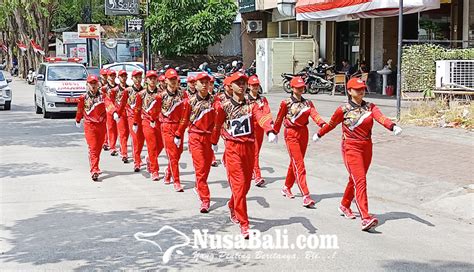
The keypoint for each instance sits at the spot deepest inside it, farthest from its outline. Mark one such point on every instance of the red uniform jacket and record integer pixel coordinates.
(199, 115)
(262, 104)
(148, 106)
(107, 94)
(357, 120)
(236, 119)
(132, 100)
(119, 97)
(296, 114)
(221, 97)
(172, 106)
(92, 108)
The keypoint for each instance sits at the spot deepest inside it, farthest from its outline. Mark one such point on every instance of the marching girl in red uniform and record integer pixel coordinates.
(357, 117)
(103, 79)
(236, 114)
(294, 114)
(92, 108)
(112, 133)
(147, 112)
(255, 98)
(199, 116)
(136, 129)
(221, 98)
(119, 96)
(171, 112)
(191, 90)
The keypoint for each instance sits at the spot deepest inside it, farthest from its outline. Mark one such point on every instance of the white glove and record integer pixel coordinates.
(177, 141)
(116, 117)
(272, 138)
(316, 137)
(215, 148)
(152, 124)
(78, 124)
(135, 128)
(397, 130)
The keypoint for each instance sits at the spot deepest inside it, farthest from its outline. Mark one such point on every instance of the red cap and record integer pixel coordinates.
(212, 79)
(297, 82)
(111, 73)
(103, 72)
(356, 83)
(161, 78)
(171, 73)
(151, 73)
(253, 80)
(122, 73)
(227, 81)
(137, 73)
(236, 76)
(92, 79)
(203, 75)
(191, 79)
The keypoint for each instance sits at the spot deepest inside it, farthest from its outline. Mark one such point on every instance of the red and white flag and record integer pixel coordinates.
(4, 48)
(22, 46)
(36, 47)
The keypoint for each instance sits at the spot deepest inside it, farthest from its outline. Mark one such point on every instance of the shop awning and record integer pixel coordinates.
(343, 10)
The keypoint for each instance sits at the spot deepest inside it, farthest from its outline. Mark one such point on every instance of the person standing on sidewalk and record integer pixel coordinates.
(112, 133)
(147, 112)
(294, 114)
(92, 108)
(255, 98)
(136, 129)
(357, 117)
(236, 114)
(171, 112)
(199, 116)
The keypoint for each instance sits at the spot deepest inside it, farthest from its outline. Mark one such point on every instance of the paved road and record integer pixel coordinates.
(54, 218)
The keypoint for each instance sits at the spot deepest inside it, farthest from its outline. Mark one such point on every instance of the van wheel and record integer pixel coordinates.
(45, 113)
(8, 105)
(38, 108)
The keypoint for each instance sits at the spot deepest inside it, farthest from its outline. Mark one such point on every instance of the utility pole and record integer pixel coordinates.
(399, 62)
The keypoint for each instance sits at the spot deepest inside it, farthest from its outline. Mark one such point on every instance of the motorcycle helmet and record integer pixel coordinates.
(234, 63)
(240, 64)
(310, 63)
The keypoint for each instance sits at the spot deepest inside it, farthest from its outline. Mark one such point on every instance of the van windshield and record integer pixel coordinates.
(61, 73)
(1, 77)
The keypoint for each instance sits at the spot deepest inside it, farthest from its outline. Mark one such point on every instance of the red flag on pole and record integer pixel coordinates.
(36, 47)
(22, 46)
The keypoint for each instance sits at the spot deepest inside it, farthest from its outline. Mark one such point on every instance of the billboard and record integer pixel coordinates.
(246, 6)
(88, 31)
(122, 7)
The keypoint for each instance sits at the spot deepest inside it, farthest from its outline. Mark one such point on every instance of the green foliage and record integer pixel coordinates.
(419, 65)
(181, 27)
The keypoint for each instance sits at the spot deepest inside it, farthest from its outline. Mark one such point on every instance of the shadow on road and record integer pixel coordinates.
(401, 215)
(15, 170)
(263, 224)
(105, 240)
(434, 265)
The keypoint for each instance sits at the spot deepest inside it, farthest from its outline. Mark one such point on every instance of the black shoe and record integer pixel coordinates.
(95, 177)
(114, 153)
(125, 160)
(137, 169)
(105, 147)
(215, 164)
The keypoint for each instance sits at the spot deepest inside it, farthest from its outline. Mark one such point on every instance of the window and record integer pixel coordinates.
(2, 78)
(292, 28)
(62, 73)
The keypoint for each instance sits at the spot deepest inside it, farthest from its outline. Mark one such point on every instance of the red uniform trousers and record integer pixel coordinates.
(259, 133)
(124, 132)
(239, 162)
(111, 138)
(297, 143)
(357, 155)
(154, 143)
(95, 134)
(201, 152)
(138, 140)
(173, 152)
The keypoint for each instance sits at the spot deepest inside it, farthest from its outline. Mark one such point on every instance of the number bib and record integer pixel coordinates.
(240, 126)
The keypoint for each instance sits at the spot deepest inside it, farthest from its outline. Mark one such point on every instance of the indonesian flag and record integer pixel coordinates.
(4, 48)
(36, 47)
(344, 10)
(22, 46)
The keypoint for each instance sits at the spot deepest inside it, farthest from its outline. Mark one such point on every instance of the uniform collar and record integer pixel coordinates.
(154, 91)
(236, 103)
(170, 93)
(135, 88)
(199, 98)
(191, 92)
(253, 98)
(355, 105)
(294, 100)
(93, 95)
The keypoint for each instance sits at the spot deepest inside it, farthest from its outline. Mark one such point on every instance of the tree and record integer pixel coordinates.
(181, 27)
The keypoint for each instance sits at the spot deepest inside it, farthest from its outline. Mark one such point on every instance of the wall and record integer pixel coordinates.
(248, 38)
(265, 4)
(231, 45)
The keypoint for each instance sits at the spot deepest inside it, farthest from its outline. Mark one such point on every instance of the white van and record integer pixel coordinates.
(5, 92)
(59, 84)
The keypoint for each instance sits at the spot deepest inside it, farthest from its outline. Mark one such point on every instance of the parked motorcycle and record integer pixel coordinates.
(30, 78)
(314, 83)
(14, 70)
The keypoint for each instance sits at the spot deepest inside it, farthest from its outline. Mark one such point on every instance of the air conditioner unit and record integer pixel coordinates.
(454, 73)
(254, 26)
